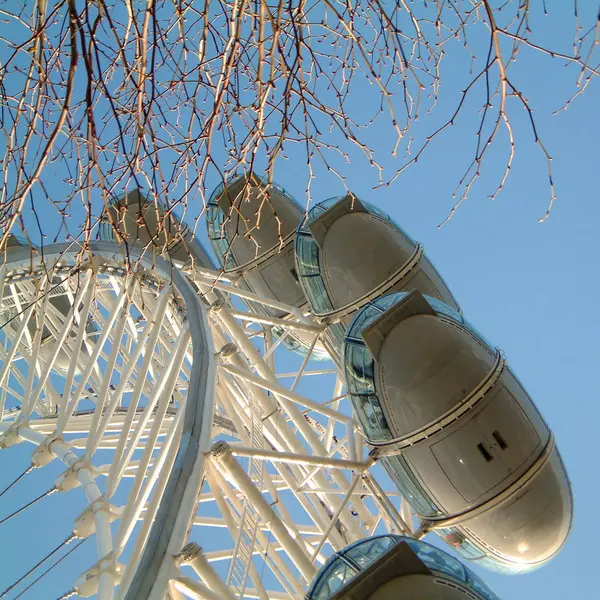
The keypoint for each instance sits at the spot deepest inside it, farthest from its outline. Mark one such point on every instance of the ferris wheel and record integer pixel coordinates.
(227, 426)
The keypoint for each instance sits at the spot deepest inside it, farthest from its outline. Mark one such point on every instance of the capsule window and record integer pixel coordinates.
(484, 452)
(499, 440)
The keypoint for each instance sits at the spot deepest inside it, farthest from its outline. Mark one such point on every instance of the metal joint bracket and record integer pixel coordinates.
(11, 436)
(228, 350)
(87, 583)
(43, 454)
(188, 554)
(68, 480)
(220, 449)
(375, 454)
(85, 523)
(217, 305)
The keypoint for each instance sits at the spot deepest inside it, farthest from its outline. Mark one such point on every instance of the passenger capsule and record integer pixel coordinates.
(457, 432)
(349, 252)
(57, 311)
(142, 221)
(394, 567)
(252, 226)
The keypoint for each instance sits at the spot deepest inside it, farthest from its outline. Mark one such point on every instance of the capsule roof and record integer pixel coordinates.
(344, 566)
(308, 264)
(358, 360)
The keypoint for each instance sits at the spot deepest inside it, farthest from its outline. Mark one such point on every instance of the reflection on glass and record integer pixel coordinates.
(479, 586)
(309, 272)
(359, 369)
(332, 580)
(438, 560)
(409, 487)
(368, 551)
(344, 565)
(445, 310)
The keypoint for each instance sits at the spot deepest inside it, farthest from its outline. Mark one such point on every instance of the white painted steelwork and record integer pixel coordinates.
(127, 391)
(292, 455)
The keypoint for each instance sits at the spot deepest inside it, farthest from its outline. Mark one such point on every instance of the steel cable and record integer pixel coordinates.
(64, 596)
(16, 583)
(20, 510)
(28, 470)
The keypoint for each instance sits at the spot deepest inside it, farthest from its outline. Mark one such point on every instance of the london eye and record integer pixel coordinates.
(288, 422)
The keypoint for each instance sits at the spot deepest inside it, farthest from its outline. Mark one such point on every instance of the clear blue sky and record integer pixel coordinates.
(528, 287)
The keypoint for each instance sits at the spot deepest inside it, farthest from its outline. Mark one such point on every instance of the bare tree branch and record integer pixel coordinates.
(169, 95)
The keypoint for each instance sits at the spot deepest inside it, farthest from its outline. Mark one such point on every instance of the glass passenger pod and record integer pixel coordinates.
(251, 227)
(57, 310)
(392, 567)
(462, 435)
(348, 252)
(249, 219)
(144, 221)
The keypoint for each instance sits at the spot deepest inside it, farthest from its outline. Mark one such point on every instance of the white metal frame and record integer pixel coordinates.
(321, 490)
(150, 355)
(282, 478)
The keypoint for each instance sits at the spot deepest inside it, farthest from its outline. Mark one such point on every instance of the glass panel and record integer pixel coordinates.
(106, 232)
(480, 587)
(265, 181)
(371, 417)
(377, 211)
(333, 580)
(463, 546)
(317, 294)
(214, 229)
(474, 331)
(409, 487)
(358, 366)
(320, 208)
(298, 346)
(369, 551)
(438, 560)
(373, 311)
(307, 255)
(336, 333)
(307, 261)
(390, 300)
(448, 311)
(218, 241)
(444, 309)
(365, 317)
(216, 193)
(229, 261)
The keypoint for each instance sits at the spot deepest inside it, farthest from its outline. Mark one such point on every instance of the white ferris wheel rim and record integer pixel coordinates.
(105, 259)
(239, 389)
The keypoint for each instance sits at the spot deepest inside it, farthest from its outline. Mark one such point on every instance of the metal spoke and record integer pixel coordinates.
(134, 419)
